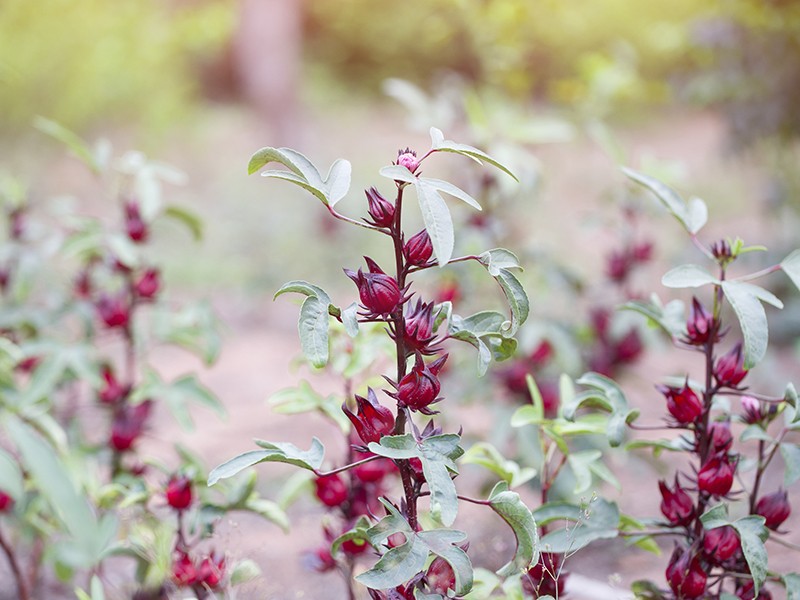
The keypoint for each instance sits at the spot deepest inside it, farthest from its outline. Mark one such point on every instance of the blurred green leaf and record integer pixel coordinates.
(190, 220)
(513, 511)
(439, 144)
(486, 455)
(688, 276)
(752, 320)
(437, 219)
(279, 452)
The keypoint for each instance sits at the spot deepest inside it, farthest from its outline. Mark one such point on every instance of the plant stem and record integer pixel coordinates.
(758, 274)
(16, 571)
(346, 467)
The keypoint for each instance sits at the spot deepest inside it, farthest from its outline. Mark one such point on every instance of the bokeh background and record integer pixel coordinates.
(702, 93)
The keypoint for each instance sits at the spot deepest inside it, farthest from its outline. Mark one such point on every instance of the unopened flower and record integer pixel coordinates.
(381, 211)
(752, 409)
(179, 492)
(701, 326)
(720, 435)
(135, 226)
(642, 252)
(184, 571)
(721, 250)
(408, 159)
(685, 575)
(148, 284)
(374, 471)
(716, 475)
(114, 311)
(721, 544)
(542, 354)
(418, 327)
(112, 391)
(211, 571)
(372, 420)
(420, 387)
(418, 249)
(774, 508)
(128, 425)
(682, 403)
(729, 370)
(676, 504)
(331, 490)
(379, 292)
(6, 502)
(629, 347)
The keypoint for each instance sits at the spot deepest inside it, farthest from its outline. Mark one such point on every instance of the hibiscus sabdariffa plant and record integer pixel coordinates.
(397, 422)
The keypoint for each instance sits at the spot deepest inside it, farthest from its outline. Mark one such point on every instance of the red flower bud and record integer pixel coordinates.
(774, 508)
(112, 392)
(148, 284)
(642, 252)
(716, 476)
(450, 291)
(179, 492)
(618, 266)
(729, 370)
(211, 571)
(721, 437)
(440, 576)
(545, 577)
(320, 560)
(600, 319)
(721, 250)
(134, 224)
(746, 591)
(184, 571)
(6, 502)
(416, 469)
(372, 420)
(380, 209)
(542, 354)
(419, 249)
(379, 293)
(720, 544)
(374, 471)
(701, 325)
(128, 425)
(420, 387)
(676, 505)
(408, 159)
(331, 490)
(685, 575)
(83, 284)
(113, 310)
(629, 347)
(682, 403)
(354, 547)
(418, 327)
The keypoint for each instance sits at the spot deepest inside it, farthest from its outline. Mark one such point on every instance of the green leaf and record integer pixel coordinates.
(439, 144)
(752, 320)
(11, 481)
(350, 319)
(674, 445)
(755, 432)
(599, 521)
(305, 288)
(194, 327)
(485, 330)
(791, 459)
(313, 329)
(270, 511)
(437, 219)
(669, 318)
(279, 452)
(791, 582)
(398, 173)
(692, 217)
(484, 583)
(74, 142)
(244, 571)
(752, 534)
(516, 297)
(486, 455)
(688, 276)
(579, 462)
(716, 516)
(646, 590)
(791, 266)
(499, 258)
(606, 395)
(358, 532)
(513, 511)
(337, 183)
(449, 188)
(178, 395)
(192, 222)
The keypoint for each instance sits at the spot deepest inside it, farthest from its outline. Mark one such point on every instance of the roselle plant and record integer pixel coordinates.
(720, 509)
(419, 555)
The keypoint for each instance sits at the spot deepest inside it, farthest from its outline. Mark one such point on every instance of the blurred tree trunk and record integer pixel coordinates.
(267, 54)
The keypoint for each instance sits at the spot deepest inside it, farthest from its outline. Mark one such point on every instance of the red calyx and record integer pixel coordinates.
(114, 311)
(440, 576)
(420, 387)
(148, 284)
(418, 327)
(179, 492)
(701, 326)
(6, 502)
(331, 490)
(372, 420)
(128, 425)
(683, 404)
(112, 391)
(729, 370)
(381, 211)
(379, 293)
(135, 226)
(676, 504)
(685, 575)
(545, 577)
(419, 249)
(721, 544)
(211, 571)
(775, 508)
(716, 476)
(184, 571)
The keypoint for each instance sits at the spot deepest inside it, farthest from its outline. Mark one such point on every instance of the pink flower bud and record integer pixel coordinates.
(331, 490)
(685, 575)
(419, 249)
(716, 476)
(380, 209)
(135, 226)
(676, 504)
(729, 370)
(372, 420)
(148, 284)
(184, 572)
(379, 293)
(418, 326)
(440, 576)
(774, 508)
(682, 403)
(6, 502)
(128, 425)
(701, 325)
(721, 437)
(752, 410)
(179, 492)
(211, 571)
(420, 387)
(720, 544)
(408, 159)
(113, 310)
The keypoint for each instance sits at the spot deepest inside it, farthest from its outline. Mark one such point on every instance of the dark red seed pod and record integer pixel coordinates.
(371, 421)
(419, 249)
(676, 504)
(379, 293)
(331, 490)
(179, 492)
(729, 370)
(381, 211)
(701, 326)
(683, 403)
(685, 575)
(775, 508)
(716, 476)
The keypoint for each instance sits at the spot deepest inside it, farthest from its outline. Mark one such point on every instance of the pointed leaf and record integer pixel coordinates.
(337, 184)
(11, 481)
(516, 297)
(752, 534)
(791, 266)
(449, 188)
(299, 181)
(437, 219)
(350, 320)
(70, 139)
(313, 329)
(513, 511)
(499, 258)
(439, 144)
(792, 583)
(791, 458)
(688, 276)
(670, 318)
(486, 455)
(697, 215)
(279, 452)
(398, 173)
(599, 521)
(668, 197)
(397, 566)
(442, 543)
(752, 320)
(580, 463)
(189, 219)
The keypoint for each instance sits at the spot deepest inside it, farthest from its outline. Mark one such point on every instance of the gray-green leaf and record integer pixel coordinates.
(688, 276)
(513, 511)
(271, 452)
(752, 320)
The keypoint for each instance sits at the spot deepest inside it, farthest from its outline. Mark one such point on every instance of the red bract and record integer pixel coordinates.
(686, 575)
(419, 249)
(716, 476)
(682, 403)
(112, 391)
(419, 388)
(720, 544)
(184, 571)
(440, 576)
(128, 425)
(729, 370)
(331, 490)
(379, 293)
(408, 159)
(775, 508)
(211, 571)
(676, 504)
(6, 502)
(372, 420)
(148, 284)
(418, 327)
(354, 547)
(701, 325)
(381, 211)
(135, 226)
(721, 437)
(114, 311)
(374, 471)
(179, 492)
(746, 591)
